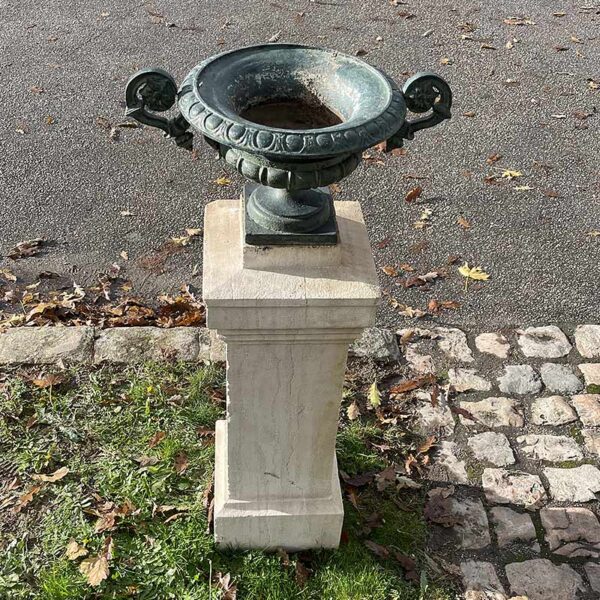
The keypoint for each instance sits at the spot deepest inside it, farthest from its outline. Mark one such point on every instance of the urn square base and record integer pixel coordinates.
(290, 523)
(256, 235)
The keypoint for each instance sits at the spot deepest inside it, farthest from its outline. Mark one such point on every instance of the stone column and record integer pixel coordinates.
(287, 315)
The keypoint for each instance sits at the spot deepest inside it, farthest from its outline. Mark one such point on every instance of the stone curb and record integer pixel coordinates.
(122, 345)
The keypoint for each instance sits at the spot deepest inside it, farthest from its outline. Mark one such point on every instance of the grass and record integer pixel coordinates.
(106, 427)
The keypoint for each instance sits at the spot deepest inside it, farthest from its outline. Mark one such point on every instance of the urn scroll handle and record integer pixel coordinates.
(423, 92)
(155, 90)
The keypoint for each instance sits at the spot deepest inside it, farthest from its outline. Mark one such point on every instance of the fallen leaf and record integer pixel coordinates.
(377, 549)
(146, 461)
(48, 381)
(446, 61)
(353, 411)
(374, 395)
(49, 120)
(551, 193)
(390, 271)
(463, 222)
(510, 174)
(274, 38)
(158, 437)
(56, 476)
(95, 570)
(74, 550)
(469, 113)
(475, 273)
(26, 498)
(8, 275)
(593, 233)
(492, 158)
(409, 565)
(518, 21)
(413, 194)
(412, 384)
(426, 445)
(523, 188)
(226, 586)
(26, 249)
(36, 89)
(181, 463)
(222, 181)
(302, 574)
(124, 255)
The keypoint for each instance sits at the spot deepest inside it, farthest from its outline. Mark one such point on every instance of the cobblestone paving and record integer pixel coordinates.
(515, 481)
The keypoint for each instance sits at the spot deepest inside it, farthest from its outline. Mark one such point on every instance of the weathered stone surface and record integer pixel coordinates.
(511, 526)
(376, 343)
(481, 576)
(592, 440)
(492, 447)
(579, 484)
(553, 410)
(465, 380)
(519, 379)
(592, 570)
(572, 531)
(446, 459)
(421, 364)
(218, 347)
(539, 579)
(587, 340)
(544, 342)
(453, 342)
(138, 344)
(493, 412)
(513, 487)
(493, 343)
(553, 448)
(46, 345)
(591, 373)
(560, 378)
(431, 418)
(473, 530)
(588, 408)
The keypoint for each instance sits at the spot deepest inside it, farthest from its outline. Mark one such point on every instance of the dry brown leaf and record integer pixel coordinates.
(390, 270)
(463, 222)
(8, 275)
(551, 193)
(156, 439)
(48, 381)
(53, 477)
(413, 194)
(302, 574)
(25, 499)
(492, 158)
(412, 384)
(74, 550)
(181, 463)
(377, 549)
(426, 445)
(26, 249)
(353, 411)
(95, 570)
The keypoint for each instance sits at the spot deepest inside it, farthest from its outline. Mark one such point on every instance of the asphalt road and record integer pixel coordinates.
(533, 103)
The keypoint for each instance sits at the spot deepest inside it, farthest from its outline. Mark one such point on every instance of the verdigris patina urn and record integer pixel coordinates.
(292, 119)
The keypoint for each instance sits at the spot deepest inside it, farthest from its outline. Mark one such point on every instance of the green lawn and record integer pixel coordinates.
(136, 501)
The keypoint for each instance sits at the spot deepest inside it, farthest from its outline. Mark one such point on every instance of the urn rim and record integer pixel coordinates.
(374, 105)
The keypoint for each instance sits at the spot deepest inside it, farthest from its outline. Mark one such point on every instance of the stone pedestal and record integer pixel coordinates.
(287, 315)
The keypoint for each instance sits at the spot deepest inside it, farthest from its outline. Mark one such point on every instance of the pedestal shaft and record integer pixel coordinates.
(287, 325)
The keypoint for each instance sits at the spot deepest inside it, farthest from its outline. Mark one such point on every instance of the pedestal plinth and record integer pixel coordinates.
(287, 315)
